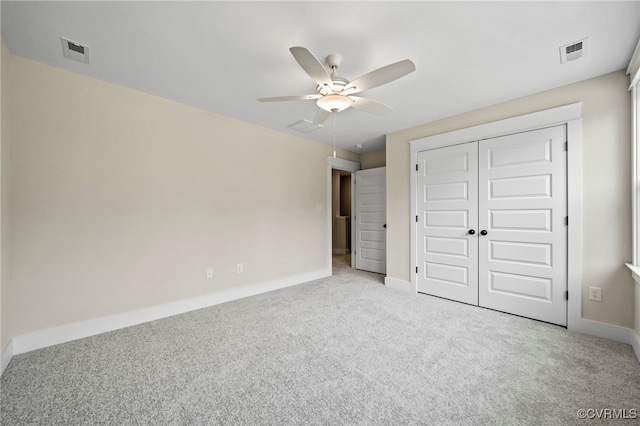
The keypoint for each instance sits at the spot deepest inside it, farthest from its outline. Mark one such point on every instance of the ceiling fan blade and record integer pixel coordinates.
(312, 66)
(380, 76)
(321, 116)
(369, 105)
(289, 98)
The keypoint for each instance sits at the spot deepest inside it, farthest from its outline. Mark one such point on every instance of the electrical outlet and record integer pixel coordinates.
(209, 273)
(595, 294)
(239, 268)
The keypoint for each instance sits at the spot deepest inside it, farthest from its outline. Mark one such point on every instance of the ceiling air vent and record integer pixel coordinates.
(76, 51)
(574, 51)
(305, 126)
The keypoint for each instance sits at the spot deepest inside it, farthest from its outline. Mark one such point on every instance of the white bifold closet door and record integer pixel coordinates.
(493, 226)
(447, 222)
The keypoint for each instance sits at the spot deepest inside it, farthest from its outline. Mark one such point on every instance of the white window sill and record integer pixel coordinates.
(635, 272)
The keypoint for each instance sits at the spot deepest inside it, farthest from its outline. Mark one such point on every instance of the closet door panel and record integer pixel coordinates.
(522, 207)
(447, 211)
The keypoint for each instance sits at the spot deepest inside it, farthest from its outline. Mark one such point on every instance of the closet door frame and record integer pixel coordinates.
(569, 115)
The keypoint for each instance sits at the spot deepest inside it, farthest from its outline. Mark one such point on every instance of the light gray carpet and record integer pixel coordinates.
(342, 350)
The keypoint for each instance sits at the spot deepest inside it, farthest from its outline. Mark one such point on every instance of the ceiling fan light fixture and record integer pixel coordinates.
(334, 103)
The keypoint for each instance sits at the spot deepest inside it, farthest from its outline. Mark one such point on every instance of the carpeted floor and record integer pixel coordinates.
(342, 350)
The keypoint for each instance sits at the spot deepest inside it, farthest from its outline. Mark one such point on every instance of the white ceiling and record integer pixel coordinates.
(221, 56)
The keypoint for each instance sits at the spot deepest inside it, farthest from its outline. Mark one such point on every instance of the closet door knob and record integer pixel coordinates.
(483, 232)
(472, 231)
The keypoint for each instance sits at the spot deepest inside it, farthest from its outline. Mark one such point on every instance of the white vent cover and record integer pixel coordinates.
(304, 126)
(76, 51)
(574, 51)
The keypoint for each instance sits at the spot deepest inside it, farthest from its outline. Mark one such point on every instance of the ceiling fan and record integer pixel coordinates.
(335, 93)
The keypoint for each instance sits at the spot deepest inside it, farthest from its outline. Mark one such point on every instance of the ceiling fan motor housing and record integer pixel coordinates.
(334, 102)
(338, 85)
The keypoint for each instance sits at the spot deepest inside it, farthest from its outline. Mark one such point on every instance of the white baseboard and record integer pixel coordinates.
(65, 333)
(635, 343)
(6, 356)
(397, 284)
(601, 329)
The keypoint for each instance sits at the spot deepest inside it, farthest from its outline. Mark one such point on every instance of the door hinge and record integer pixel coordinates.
(566, 295)
(566, 220)
(416, 218)
(416, 167)
(416, 269)
(566, 146)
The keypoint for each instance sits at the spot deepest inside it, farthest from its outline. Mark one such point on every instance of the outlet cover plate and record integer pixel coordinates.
(595, 294)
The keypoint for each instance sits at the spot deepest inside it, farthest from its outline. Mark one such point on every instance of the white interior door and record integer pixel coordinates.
(370, 219)
(522, 210)
(447, 222)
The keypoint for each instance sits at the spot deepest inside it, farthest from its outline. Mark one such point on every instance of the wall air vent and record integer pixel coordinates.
(305, 126)
(574, 51)
(75, 51)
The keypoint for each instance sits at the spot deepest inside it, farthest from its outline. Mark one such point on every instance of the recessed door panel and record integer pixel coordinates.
(372, 217)
(454, 163)
(372, 236)
(520, 187)
(521, 253)
(371, 199)
(447, 274)
(458, 247)
(520, 286)
(447, 191)
(533, 152)
(446, 219)
(373, 255)
(520, 220)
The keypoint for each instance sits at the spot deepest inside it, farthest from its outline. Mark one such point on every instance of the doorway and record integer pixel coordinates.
(341, 212)
(341, 167)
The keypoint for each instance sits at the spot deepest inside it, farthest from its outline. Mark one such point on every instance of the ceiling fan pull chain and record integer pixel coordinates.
(334, 134)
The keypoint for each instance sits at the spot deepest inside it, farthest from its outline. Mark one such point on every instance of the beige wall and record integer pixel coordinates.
(606, 188)
(121, 200)
(373, 159)
(5, 252)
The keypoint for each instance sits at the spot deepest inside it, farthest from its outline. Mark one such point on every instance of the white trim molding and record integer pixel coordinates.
(634, 75)
(6, 356)
(546, 118)
(397, 284)
(571, 116)
(634, 66)
(635, 338)
(79, 330)
(635, 343)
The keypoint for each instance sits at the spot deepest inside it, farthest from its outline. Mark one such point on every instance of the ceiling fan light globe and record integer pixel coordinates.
(334, 103)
